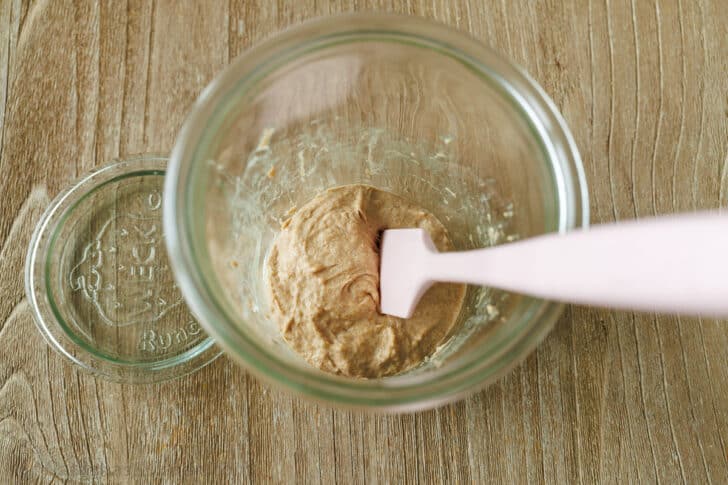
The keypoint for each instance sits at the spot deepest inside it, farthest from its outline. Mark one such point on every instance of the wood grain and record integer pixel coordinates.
(608, 397)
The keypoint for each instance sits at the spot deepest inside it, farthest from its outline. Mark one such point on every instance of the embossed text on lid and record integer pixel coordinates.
(100, 283)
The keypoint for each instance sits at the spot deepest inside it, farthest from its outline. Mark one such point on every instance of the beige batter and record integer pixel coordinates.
(323, 278)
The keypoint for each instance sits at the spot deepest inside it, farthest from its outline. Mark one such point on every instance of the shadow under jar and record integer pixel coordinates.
(403, 105)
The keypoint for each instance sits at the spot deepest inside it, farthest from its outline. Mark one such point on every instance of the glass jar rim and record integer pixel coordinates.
(399, 392)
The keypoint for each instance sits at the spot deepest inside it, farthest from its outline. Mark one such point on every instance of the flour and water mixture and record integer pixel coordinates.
(323, 283)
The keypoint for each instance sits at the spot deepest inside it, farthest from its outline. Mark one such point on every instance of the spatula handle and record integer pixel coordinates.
(667, 264)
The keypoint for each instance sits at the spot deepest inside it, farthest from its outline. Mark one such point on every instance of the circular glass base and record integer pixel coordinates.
(99, 282)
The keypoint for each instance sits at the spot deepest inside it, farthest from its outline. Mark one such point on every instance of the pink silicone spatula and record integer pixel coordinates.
(674, 264)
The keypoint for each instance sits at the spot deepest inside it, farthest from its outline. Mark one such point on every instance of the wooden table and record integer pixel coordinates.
(609, 396)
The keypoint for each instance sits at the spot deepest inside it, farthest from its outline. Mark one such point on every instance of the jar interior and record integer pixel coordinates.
(400, 114)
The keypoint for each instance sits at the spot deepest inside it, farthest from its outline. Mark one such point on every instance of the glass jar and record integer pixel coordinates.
(398, 103)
